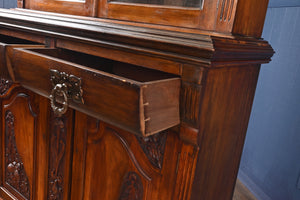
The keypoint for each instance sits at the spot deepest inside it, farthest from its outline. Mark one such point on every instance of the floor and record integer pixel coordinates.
(242, 193)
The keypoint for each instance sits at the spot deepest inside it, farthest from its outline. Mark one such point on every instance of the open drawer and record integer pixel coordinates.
(7, 44)
(139, 100)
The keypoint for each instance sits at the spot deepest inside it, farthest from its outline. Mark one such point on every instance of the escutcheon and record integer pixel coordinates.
(66, 87)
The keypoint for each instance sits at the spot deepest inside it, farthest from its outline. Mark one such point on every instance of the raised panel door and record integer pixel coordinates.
(112, 164)
(21, 134)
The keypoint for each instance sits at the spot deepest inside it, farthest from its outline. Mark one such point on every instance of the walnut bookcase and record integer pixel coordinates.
(122, 100)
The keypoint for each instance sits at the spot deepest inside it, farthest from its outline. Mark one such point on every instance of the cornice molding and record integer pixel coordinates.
(208, 50)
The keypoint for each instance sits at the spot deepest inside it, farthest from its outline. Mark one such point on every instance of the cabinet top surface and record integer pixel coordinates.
(205, 48)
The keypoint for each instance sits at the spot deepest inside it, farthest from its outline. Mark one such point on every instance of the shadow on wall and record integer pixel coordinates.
(270, 165)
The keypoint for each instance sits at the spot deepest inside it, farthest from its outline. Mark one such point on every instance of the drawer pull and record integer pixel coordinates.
(67, 87)
(59, 91)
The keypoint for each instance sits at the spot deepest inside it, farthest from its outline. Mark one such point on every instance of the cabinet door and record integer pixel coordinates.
(23, 134)
(59, 166)
(200, 14)
(111, 164)
(73, 7)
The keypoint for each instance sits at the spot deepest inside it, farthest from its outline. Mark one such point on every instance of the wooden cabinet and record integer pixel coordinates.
(127, 100)
(127, 96)
(23, 138)
(242, 17)
(79, 157)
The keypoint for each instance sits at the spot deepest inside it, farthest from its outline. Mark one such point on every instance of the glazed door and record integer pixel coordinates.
(199, 14)
(73, 7)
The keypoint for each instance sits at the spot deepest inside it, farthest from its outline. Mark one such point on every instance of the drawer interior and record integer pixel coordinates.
(123, 70)
(7, 44)
(137, 99)
(12, 40)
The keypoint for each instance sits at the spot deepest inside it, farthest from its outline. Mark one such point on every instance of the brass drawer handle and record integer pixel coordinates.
(67, 87)
(59, 91)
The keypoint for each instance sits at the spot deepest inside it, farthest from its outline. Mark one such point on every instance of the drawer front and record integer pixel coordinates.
(137, 105)
(7, 44)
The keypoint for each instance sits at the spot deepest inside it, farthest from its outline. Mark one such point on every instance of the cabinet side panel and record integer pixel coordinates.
(224, 118)
(250, 17)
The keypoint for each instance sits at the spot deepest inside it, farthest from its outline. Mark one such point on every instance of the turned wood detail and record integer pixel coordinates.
(132, 187)
(15, 174)
(4, 85)
(154, 148)
(190, 102)
(57, 158)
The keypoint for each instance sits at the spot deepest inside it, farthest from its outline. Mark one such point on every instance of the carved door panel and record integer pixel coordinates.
(21, 132)
(111, 164)
(60, 144)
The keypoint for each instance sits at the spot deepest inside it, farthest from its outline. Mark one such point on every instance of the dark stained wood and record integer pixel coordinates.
(175, 46)
(132, 187)
(154, 148)
(96, 143)
(5, 43)
(33, 131)
(186, 165)
(15, 174)
(222, 129)
(129, 99)
(19, 167)
(226, 15)
(179, 3)
(190, 102)
(18, 144)
(202, 17)
(42, 149)
(85, 8)
(102, 144)
(143, 69)
(156, 14)
(189, 134)
(60, 156)
(250, 17)
(5, 85)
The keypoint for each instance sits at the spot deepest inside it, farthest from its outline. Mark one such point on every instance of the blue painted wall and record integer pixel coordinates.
(270, 164)
(8, 3)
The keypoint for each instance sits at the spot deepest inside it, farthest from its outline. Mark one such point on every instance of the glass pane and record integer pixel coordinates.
(181, 3)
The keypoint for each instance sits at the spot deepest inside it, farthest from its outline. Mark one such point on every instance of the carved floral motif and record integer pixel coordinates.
(15, 174)
(154, 148)
(4, 85)
(132, 188)
(57, 153)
